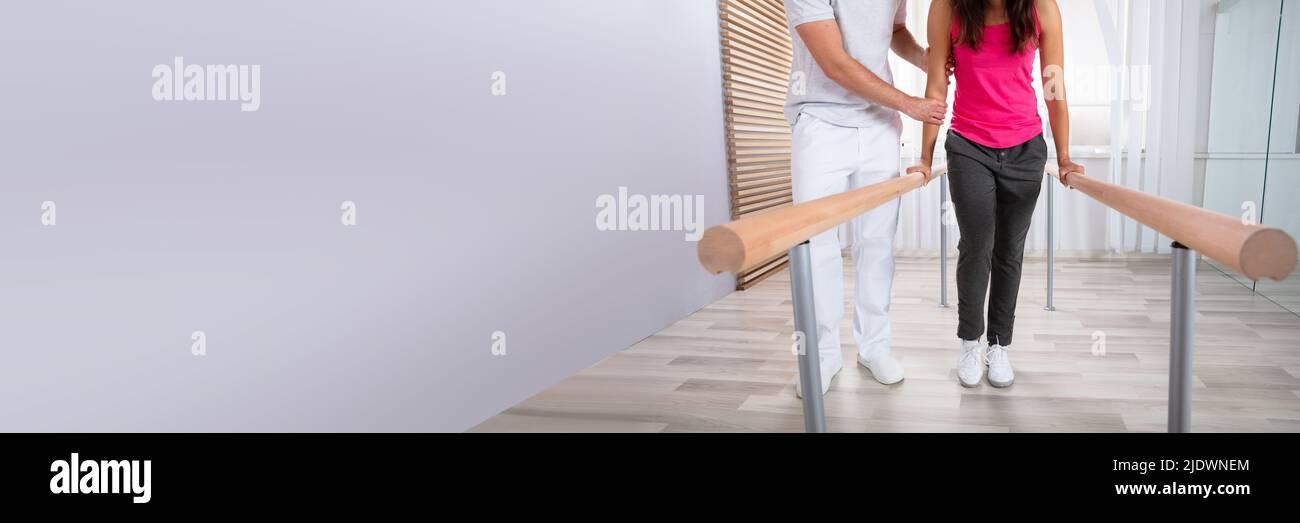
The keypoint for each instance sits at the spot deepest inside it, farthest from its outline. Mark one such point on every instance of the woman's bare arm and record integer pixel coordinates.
(940, 20)
(1052, 55)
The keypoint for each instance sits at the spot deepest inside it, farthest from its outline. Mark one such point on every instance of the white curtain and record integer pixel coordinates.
(1159, 39)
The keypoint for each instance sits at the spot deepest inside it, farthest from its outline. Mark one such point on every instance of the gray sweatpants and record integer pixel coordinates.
(994, 192)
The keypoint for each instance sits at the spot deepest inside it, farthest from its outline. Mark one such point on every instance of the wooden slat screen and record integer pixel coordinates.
(755, 75)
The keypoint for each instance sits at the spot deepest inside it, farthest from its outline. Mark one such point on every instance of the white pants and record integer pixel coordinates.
(826, 160)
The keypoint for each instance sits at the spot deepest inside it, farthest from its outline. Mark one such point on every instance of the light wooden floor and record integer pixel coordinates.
(729, 367)
(1285, 293)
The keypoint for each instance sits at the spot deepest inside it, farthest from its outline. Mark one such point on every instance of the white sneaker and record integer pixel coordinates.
(970, 367)
(830, 368)
(1000, 373)
(883, 367)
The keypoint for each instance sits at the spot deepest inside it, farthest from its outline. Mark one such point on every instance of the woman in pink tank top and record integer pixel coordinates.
(996, 156)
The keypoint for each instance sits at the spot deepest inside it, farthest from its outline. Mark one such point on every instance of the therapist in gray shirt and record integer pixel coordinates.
(844, 110)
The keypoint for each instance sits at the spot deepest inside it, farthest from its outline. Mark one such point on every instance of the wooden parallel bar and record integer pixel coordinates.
(742, 244)
(1255, 251)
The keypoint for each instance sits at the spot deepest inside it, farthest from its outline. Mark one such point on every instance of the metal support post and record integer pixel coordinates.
(805, 321)
(1051, 241)
(1182, 312)
(943, 242)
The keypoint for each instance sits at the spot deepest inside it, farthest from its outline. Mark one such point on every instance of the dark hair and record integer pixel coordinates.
(1020, 14)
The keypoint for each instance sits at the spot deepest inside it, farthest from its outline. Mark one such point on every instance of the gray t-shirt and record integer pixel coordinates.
(868, 29)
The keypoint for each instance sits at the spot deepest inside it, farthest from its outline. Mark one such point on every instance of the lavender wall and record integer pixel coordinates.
(475, 212)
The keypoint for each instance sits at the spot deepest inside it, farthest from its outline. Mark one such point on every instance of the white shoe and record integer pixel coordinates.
(830, 368)
(883, 367)
(1000, 373)
(970, 367)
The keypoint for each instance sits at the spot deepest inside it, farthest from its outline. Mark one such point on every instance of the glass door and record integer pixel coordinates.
(1236, 154)
(1281, 201)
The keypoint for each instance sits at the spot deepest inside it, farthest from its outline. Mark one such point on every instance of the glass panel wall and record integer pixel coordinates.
(1251, 156)
(1281, 205)
(1241, 100)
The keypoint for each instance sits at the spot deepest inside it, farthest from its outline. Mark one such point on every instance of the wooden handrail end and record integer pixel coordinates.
(1268, 253)
(721, 250)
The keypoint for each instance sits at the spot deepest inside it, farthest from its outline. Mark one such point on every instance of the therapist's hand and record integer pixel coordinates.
(925, 110)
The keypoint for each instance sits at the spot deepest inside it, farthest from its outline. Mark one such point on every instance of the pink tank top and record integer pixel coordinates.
(996, 105)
